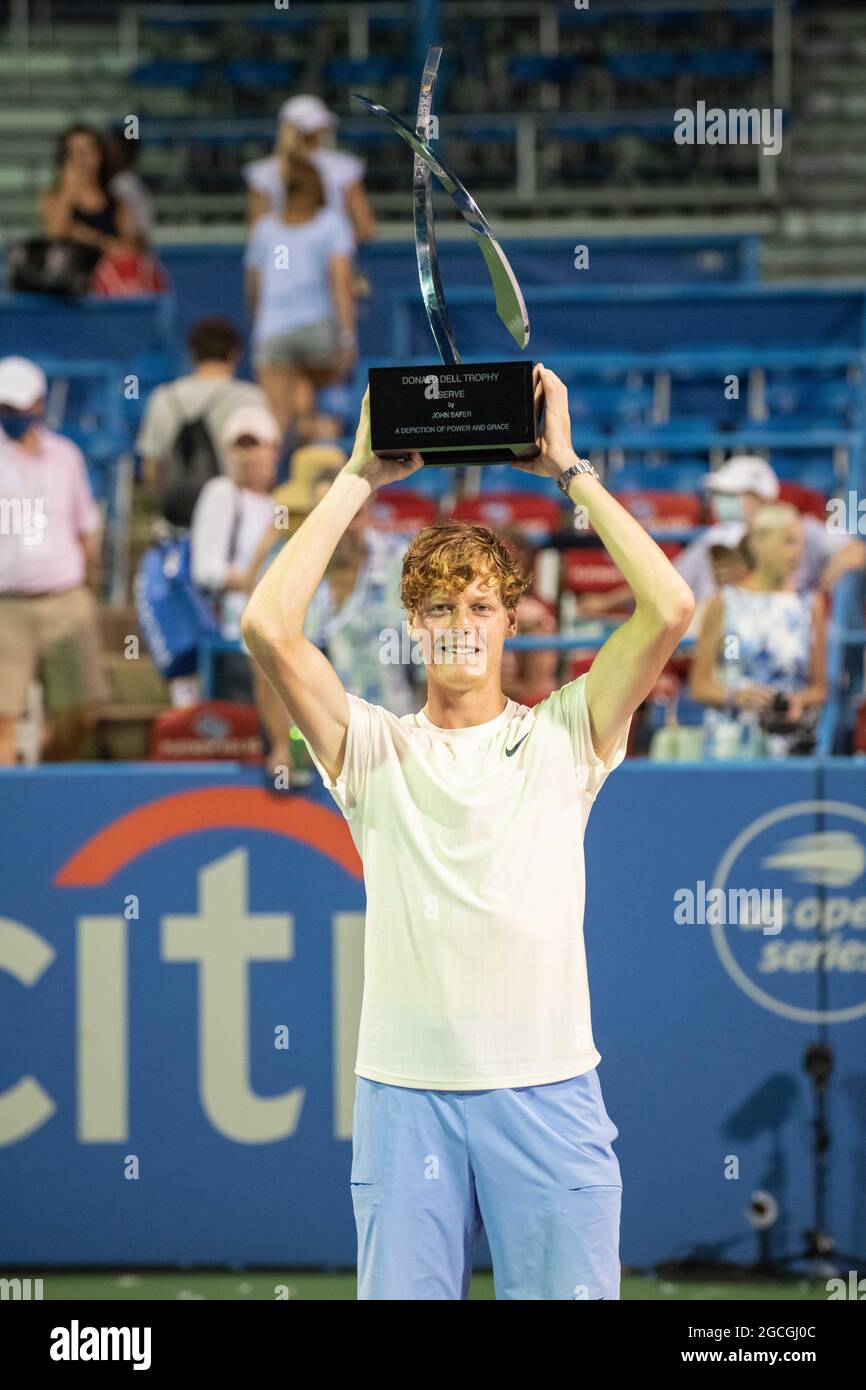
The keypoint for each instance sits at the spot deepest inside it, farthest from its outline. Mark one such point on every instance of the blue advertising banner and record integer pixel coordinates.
(181, 963)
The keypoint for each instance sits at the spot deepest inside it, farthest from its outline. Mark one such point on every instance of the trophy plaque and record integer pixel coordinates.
(451, 412)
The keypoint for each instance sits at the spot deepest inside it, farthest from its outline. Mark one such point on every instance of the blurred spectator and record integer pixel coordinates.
(760, 657)
(126, 185)
(231, 516)
(180, 439)
(342, 174)
(738, 489)
(730, 561)
(356, 604)
(299, 290)
(530, 676)
(49, 524)
(80, 206)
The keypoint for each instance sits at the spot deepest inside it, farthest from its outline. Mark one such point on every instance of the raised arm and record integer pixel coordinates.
(273, 621)
(631, 660)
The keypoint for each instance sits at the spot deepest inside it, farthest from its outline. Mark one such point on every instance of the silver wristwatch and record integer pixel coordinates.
(582, 466)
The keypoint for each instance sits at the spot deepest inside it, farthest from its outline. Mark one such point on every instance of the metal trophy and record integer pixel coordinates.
(475, 413)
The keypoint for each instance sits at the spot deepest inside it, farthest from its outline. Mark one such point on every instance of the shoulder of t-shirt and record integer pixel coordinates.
(257, 172)
(345, 168)
(214, 488)
(247, 392)
(562, 704)
(375, 718)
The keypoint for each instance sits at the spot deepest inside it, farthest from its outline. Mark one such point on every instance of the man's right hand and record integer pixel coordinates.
(378, 471)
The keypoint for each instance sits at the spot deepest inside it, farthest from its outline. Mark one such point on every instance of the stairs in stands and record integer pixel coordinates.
(822, 214)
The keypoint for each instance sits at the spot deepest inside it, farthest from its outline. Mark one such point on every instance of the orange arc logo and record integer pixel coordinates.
(217, 808)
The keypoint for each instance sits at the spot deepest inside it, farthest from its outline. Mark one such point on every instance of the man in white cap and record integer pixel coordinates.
(342, 174)
(230, 519)
(49, 526)
(738, 489)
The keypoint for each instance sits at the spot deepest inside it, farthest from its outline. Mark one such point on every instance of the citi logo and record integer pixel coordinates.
(833, 859)
(77, 1343)
(431, 388)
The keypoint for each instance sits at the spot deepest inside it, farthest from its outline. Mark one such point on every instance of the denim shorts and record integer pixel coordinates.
(311, 345)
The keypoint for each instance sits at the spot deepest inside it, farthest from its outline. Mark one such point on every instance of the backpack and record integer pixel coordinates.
(190, 463)
(174, 614)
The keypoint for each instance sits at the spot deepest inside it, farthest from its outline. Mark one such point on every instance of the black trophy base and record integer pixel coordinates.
(469, 414)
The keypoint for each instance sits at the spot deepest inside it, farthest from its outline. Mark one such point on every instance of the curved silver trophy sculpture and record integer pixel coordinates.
(476, 413)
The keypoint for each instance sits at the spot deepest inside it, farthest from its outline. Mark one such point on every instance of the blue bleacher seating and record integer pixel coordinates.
(262, 72)
(349, 72)
(170, 72)
(540, 67)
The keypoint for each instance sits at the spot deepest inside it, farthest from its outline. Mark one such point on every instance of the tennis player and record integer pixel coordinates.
(478, 1101)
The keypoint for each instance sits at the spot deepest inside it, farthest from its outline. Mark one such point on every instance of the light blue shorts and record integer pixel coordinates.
(532, 1166)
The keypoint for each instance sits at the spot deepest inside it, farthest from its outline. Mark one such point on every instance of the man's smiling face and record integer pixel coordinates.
(462, 634)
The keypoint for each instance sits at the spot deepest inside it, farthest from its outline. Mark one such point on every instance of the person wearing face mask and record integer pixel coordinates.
(737, 490)
(49, 532)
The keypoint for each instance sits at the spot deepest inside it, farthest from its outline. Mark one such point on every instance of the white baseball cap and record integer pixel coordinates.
(22, 383)
(307, 114)
(744, 473)
(254, 420)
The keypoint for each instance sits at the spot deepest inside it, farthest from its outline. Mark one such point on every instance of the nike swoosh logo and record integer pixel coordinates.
(509, 751)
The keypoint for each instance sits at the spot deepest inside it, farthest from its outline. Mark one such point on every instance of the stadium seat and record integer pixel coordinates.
(647, 66)
(660, 511)
(527, 511)
(590, 570)
(355, 72)
(262, 72)
(732, 63)
(434, 483)
(502, 477)
(579, 662)
(166, 72)
(403, 511)
(805, 499)
(674, 477)
(538, 67)
(817, 474)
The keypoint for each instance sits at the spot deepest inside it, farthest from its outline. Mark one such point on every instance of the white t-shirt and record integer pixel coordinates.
(228, 523)
(472, 846)
(294, 265)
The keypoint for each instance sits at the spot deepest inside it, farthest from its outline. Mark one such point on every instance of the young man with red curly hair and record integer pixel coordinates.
(477, 1101)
